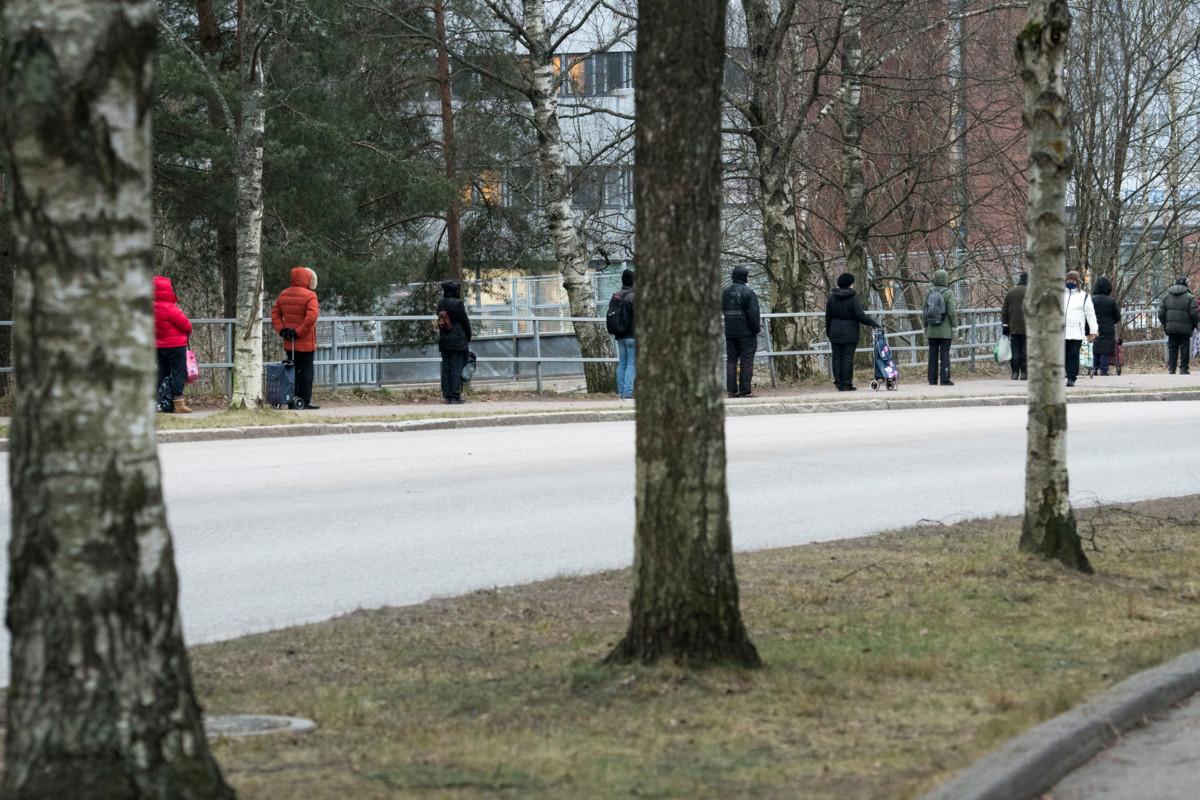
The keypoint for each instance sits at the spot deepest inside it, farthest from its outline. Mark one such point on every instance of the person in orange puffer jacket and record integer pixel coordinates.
(171, 331)
(294, 316)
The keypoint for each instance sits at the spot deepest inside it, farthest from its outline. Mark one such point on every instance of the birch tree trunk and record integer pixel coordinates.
(101, 704)
(685, 597)
(594, 341)
(1049, 528)
(223, 221)
(449, 151)
(854, 236)
(772, 131)
(248, 336)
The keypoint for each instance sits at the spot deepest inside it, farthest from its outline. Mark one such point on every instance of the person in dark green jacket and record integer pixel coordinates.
(939, 327)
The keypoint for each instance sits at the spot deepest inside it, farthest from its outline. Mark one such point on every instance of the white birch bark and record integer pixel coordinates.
(854, 236)
(100, 703)
(1049, 527)
(248, 335)
(594, 341)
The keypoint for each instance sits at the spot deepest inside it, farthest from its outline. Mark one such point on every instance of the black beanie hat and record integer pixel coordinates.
(845, 280)
(1181, 282)
(627, 277)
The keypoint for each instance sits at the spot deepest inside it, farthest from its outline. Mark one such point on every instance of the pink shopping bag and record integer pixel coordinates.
(193, 367)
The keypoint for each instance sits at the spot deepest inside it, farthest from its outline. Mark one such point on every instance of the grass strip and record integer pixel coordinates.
(891, 662)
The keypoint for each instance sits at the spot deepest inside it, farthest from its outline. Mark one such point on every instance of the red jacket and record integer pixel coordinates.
(297, 308)
(171, 325)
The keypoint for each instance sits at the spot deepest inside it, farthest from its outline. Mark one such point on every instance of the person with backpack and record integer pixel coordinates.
(1012, 325)
(620, 325)
(294, 317)
(739, 305)
(1080, 322)
(454, 336)
(1179, 316)
(843, 317)
(171, 331)
(1108, 316)
(941, 318)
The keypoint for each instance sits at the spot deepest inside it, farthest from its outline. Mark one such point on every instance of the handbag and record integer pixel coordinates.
(468, 371)
(193, 367)
(1002, 350)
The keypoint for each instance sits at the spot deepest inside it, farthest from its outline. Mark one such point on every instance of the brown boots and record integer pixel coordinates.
(181, 406)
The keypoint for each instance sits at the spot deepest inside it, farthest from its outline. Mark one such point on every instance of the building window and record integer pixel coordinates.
(597, 75)
(602, 187)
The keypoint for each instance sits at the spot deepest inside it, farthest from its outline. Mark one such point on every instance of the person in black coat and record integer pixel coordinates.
(454, 334)
(843, 316)
(739, 304)
(1108, 316)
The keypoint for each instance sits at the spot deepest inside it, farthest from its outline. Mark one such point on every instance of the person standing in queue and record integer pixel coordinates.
(171, 331)
(454, 336)
(1108, 317)
(294, 317)
(1080, 322)
(1012, 325)
(743, 322)
(843, 316)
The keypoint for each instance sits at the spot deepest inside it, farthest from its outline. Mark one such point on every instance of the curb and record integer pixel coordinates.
(626, 415)
(1031, 764)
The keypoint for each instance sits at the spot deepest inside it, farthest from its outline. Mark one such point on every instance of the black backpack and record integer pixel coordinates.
(620, 316)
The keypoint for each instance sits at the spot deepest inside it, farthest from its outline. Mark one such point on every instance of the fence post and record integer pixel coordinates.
(229, 357)
(516, 340)
(378, 354)
(333, 345)
(770, 353)
(972, 338)
(537, 351)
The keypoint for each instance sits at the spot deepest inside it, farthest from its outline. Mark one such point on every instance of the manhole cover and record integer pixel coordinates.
(255, 725)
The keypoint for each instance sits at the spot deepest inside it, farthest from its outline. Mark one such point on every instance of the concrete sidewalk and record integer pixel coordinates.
(966, 388)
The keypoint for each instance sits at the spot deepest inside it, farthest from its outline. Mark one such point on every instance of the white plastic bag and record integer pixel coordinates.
(1002, 350)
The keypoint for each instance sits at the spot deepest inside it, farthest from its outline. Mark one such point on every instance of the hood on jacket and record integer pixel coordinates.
(304, 277)
(741, 275)
(627, 278)
(164, 292)
(941, 278)
(1103, 286)
(1178, 289)
(843, 292)
(451, 289)
(1023, 279)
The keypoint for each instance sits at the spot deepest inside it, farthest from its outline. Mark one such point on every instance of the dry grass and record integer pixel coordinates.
(891, 661)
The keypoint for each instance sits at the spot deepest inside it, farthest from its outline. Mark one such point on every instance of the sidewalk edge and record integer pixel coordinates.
(1031, 764)
(774, 407)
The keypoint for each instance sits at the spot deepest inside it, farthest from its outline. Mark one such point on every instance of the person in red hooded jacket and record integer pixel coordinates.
(294, 316)
(171, 331)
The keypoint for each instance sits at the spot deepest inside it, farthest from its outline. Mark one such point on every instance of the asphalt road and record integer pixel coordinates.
(1160, 762)
(274, 532)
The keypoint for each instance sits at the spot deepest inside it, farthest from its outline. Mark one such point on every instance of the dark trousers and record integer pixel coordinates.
(740, 350)
(453, 362)
(939, 360)
(1020, 353)
(1178, 350)
(172, 366)
(1102, 363)
(1073, 346)
(843, 365)
(304, 375)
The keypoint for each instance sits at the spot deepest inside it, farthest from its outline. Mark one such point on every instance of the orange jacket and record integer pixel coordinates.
(297, 308)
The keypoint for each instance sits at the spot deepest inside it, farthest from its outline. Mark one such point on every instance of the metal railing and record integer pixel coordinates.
(352, 350)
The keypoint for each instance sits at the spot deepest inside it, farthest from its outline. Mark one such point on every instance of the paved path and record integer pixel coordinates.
(964, 387)
(276, 532)
(1159, 762)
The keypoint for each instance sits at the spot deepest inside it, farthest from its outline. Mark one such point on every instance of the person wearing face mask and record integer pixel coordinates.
(1080, 322)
